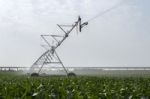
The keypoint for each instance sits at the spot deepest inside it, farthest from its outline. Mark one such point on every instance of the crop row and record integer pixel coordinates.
(74, 88)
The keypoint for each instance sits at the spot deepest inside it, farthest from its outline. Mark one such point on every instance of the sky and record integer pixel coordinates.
(120, 37)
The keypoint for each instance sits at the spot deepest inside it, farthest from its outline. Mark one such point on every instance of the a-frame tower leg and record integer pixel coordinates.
(47, 58)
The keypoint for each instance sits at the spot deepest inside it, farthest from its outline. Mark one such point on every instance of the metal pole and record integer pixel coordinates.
(61, 63)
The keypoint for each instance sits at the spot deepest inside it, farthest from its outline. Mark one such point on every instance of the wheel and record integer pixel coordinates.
(71, 74)
(34, 75)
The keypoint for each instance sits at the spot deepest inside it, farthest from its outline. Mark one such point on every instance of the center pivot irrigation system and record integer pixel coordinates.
(50, 57)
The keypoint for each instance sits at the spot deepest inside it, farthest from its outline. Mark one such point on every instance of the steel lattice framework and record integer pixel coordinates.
(50, 56)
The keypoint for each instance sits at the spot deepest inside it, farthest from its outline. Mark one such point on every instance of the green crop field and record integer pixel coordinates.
(80, 87)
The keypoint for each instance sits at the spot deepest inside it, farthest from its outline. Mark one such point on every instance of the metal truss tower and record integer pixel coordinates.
(50, 56)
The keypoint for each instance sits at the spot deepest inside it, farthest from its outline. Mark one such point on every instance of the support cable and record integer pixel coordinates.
(107, 10)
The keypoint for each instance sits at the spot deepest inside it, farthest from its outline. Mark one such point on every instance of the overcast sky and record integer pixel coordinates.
(118, 38)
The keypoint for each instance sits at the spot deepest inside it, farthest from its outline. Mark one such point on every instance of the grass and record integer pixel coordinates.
(81, 87)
